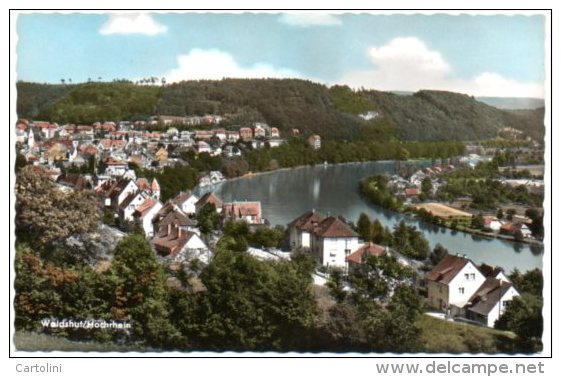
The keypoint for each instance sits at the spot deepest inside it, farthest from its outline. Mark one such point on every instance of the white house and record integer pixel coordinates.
(145, 213)
(332, 241)
(301, 229)
(491, 223)
(186, 202)
(120, 191)
(490, 301)
(130, 204)
(452, 283)
(180, 245)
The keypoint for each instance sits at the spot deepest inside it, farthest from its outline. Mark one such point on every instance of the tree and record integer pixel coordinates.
(426, 186)
(477, 221)
(500, 214)
(208, 219)
(21, 162)
(510, 213)
(141, 294)
(47, 215)
(523, 316)
(254, 305)
(336, 286)
(530, 282)
(438, 253)
(364, 227)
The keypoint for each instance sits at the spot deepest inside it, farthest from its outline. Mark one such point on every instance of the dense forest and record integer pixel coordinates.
(285, 103)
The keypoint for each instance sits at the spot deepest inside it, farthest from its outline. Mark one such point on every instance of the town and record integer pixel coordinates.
(185, 229)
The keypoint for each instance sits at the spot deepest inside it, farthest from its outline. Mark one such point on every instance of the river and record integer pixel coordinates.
(333, 189)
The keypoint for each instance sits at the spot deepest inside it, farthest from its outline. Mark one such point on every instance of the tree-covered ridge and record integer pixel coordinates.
(93, 102)
(285, 103)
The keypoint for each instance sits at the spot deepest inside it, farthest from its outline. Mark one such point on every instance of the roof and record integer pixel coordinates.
(411, 191)
(142, 184)
(240, 209)
(509, 227)
(128, 200)
(143, 209)
(307, 221)
(372, 249)
(209, 198)
(174, 218)
(488, 295)
(173, 241)
(155, 186)
(181, 198)
(333, 227)
(117, 188)
(447, 269)
(76, 181)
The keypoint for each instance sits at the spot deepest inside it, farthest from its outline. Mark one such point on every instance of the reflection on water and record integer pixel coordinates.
(287, 194)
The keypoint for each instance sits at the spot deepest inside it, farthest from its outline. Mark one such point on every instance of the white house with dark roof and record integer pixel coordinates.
(458, 287)
(332, 241)
(490, 301)
(452, 282)
(186, 202)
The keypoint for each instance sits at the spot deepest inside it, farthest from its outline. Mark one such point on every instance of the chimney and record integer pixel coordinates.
(169, 229)
(179, 232)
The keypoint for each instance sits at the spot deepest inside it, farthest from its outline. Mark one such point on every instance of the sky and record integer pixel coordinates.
(481, 55)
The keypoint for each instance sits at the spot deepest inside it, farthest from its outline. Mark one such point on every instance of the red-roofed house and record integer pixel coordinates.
(238, 211)
(246, 133)
(145, 213)
(209, 198)
(452, 282)
(355, 259)
(332, 241)
(175, 242)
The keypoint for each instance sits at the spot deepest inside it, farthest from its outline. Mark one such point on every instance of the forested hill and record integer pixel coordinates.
(285, 103)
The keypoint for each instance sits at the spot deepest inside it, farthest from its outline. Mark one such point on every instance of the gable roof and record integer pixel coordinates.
(371, 248)
(488, 295)
(307, 221)
(172, 242)
(447, 269)
(240, 209)
(332, 227)
(145, 207)
(209, 198)
(182, 197)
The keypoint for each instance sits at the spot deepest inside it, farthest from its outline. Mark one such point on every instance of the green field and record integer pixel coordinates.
(439, 336)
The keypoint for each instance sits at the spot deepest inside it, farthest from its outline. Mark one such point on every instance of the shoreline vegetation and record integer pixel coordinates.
(375, 190)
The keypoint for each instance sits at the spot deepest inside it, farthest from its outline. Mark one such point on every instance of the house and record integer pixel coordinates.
(179, 244)
(203, 135)
(412, 192)
(452, 282)
(75, 181)
(186, 202)
(492, 224)
(240, 211)
(355, 259)
(509, 229)
(119, 191)
(275, 133)
(232, 136)
(315, 141)
(300, 229)
(490, 301)
(171, 215)
(161, 156)
(130, 204)
(220, 134)
(113, 167)
(246, 133)
(332, 241)
(202, 147)
(526, 232)
(209, 198)
(259, 131)
(145, 213)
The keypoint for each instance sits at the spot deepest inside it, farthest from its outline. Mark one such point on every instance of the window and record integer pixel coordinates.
(461, 289)
(470, 277)
(347, 251)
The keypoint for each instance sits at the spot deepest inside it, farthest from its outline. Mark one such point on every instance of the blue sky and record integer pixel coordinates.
(493, 55)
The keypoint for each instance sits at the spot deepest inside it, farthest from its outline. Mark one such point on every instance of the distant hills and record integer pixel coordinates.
(286, 103)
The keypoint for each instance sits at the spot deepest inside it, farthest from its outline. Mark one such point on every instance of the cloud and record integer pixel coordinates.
(125, 24)
(215, 65)
(310, 19)
(408, 64)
